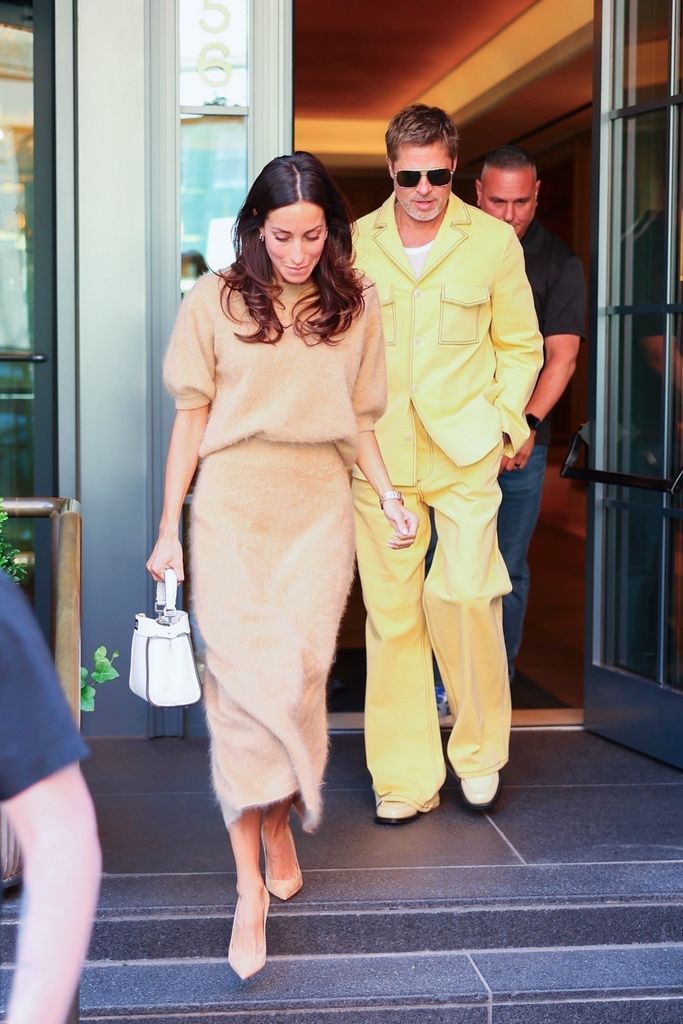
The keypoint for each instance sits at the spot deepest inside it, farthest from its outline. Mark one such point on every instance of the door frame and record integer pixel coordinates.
(638, 712)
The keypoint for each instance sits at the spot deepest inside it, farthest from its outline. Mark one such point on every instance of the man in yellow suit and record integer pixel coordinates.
(463, 353)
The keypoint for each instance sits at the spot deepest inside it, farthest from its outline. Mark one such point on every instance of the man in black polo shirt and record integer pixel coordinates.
(43, 794)
(508, 189)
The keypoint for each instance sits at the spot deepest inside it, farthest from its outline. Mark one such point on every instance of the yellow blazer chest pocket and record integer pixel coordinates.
(463, 308)
(388, 303)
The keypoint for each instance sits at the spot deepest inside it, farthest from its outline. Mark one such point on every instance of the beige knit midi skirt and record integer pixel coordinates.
(272, 562)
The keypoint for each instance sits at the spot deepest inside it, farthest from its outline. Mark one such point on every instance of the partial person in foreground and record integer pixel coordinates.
(49, 807)
(277, 369)
(508, 189)
(463, 353)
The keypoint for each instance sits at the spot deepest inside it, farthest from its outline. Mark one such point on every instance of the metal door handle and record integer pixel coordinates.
(22, 357)
(570, 470)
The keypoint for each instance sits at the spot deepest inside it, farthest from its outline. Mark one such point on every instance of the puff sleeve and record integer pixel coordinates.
(369, 397)
(190, 363)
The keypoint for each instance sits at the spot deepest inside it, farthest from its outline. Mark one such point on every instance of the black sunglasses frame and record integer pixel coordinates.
(430, 174)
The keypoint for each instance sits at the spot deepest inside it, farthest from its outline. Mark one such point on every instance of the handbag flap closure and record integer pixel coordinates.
(147, 626)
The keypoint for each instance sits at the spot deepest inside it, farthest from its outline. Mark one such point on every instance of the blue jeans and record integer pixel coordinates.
(517, 517)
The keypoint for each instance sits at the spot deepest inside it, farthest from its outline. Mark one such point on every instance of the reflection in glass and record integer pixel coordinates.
(213, 52)
(631, 593)
(635, 395)
(646, 51)
(674, 674)
(213, 186)
(16, 266)
(677, 399)
(640, 233)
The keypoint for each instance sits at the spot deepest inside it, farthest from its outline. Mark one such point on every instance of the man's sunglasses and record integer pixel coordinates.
(435, 176)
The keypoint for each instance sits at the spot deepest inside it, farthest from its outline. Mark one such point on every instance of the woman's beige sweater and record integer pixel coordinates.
(292, 391)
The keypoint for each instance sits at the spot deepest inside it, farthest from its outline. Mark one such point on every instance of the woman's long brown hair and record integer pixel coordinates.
(327, 312)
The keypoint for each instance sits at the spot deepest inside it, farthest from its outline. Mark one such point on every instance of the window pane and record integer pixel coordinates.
(213, 52)
(646, 51)
(213, 186)
(631, 594)
(674, 675)
(677, 398)
(677, 219)
(639, 233)
(16, 268)
(635, 395)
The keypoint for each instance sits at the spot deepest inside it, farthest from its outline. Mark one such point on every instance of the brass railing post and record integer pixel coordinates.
(64, 514)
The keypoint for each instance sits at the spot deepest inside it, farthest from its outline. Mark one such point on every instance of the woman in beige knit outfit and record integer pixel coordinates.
(277, 370)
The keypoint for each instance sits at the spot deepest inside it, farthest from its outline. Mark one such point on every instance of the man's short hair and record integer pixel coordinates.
(420, 125)
(509, 158)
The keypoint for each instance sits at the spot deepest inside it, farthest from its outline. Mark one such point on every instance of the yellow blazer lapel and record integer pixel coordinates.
(385, 235)
(451, 233)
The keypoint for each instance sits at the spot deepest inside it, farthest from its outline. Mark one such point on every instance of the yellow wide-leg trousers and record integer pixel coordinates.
(456, 612)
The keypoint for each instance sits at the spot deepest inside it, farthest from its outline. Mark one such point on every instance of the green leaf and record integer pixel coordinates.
(87, 698)
(104, 674)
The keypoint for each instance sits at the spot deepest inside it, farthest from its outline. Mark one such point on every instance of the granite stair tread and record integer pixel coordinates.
(418, 979)
(564, 905)
(373, 932)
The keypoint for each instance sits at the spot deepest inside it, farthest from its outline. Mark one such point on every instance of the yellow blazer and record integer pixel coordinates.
(462, 339)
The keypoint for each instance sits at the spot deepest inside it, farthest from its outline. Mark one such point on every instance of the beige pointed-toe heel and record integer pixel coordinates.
(283, 888)
(246, 964)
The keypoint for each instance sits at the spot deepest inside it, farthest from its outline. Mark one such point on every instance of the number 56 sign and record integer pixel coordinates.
(213, 45)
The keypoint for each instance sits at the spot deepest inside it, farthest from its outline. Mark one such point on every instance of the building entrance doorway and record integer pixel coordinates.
(543, 101)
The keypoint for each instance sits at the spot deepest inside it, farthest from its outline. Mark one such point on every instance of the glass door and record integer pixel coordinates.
(27, 442)
(634, 662)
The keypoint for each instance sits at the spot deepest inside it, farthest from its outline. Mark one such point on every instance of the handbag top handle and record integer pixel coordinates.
(167, 592)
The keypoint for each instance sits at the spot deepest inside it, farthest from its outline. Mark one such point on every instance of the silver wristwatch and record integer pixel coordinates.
(388, 495)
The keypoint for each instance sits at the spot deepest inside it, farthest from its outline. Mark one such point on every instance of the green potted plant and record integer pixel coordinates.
(102, 671)
(8, 553)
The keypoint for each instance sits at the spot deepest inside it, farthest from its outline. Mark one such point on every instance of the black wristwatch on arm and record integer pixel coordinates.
(533, 421)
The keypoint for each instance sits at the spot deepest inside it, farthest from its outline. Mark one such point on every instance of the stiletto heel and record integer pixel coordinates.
(246, 964)
(283, 888)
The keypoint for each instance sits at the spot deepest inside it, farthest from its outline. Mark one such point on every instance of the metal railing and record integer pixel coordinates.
(65, 605)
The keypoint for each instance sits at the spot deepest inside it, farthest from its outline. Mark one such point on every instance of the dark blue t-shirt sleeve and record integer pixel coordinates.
(565, 306)
(37, 732)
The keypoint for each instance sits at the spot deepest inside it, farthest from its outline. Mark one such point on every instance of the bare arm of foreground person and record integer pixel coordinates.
(181, 462)
(371, 465)
(54, 821)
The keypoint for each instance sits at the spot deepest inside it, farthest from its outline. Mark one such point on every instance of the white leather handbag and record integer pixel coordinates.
(162, 666)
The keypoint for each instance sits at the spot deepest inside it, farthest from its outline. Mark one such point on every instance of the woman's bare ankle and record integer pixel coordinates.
(251, 890)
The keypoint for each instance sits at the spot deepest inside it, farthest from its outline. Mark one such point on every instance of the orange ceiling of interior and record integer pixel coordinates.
(536, 116)
(364, 58)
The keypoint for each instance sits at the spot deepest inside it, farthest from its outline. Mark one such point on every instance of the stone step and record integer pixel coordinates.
(298, 933)
(180, 917)
(625, 984)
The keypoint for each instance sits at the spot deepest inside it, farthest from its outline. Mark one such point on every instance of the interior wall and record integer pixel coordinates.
(563, 155)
